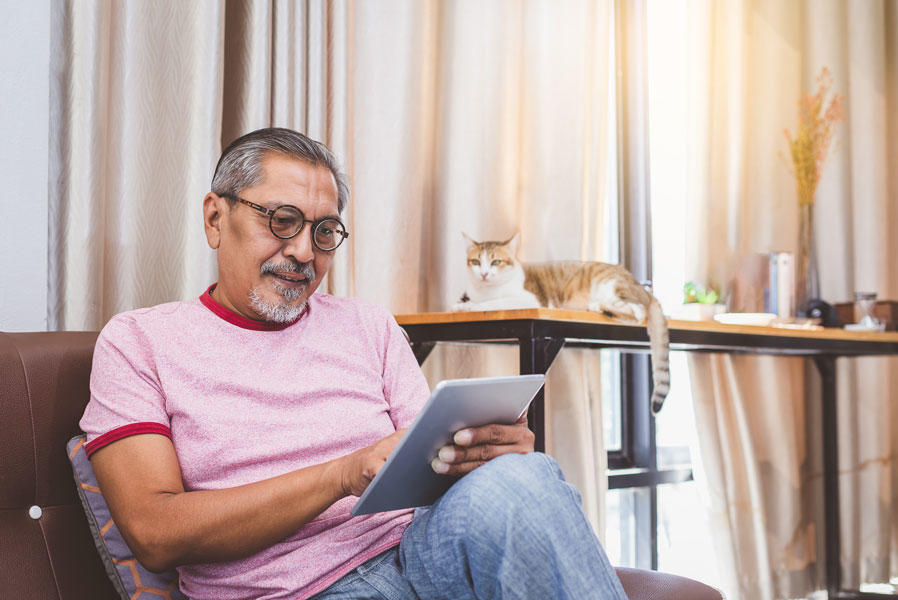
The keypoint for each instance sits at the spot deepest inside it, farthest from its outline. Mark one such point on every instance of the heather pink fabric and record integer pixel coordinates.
(242, 405)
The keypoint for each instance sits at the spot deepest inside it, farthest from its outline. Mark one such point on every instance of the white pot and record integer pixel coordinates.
(695, 311)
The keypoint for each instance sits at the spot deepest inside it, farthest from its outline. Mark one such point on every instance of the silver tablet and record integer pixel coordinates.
(407, 479)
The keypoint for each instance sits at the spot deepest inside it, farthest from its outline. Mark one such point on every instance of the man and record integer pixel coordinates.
(232, 434)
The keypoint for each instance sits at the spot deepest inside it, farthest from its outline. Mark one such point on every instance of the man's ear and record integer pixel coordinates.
(214, 207)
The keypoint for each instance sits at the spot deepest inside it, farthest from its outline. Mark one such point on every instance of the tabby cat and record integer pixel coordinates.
(499, 281)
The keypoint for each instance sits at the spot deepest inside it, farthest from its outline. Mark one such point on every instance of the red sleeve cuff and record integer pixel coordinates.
(123, 432)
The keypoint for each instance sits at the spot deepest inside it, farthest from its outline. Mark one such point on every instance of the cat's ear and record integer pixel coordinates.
(468, 239)
(513, 243)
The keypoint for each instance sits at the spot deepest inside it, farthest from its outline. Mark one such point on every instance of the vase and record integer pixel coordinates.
(806, 283)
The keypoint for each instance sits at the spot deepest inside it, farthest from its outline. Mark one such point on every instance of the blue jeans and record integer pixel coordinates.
(512, 528)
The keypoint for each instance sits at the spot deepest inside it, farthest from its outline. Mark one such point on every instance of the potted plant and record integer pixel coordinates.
(700, 303)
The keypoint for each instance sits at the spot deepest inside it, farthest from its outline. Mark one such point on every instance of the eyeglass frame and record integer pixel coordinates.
(270, 213)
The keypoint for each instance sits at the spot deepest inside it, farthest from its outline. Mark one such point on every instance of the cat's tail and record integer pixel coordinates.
(659, 341)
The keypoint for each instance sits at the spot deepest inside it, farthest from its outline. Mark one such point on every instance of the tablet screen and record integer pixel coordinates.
(407, 480)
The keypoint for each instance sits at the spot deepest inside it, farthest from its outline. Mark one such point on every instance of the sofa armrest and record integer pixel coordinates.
(652, 585)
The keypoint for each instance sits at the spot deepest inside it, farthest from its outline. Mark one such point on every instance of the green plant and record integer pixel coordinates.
(695, 292)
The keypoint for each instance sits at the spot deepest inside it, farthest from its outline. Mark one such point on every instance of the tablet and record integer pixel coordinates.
(407, 480)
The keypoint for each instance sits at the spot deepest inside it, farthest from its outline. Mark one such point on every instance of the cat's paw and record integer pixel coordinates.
(462, 307)
(598, 307)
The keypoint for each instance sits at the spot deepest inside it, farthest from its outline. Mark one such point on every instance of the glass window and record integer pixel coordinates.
(612, 421)
(621, 537)
(675, 424)
(685, 546)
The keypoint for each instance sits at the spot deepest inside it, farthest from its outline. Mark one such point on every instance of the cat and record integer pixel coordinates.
(497, 281)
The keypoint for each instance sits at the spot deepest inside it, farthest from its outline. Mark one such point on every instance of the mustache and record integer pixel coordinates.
(290, 266)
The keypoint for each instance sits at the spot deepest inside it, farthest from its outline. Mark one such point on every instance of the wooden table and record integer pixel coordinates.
(541, 333)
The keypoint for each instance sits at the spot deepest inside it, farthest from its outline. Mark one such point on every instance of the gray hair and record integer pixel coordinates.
(240, 165)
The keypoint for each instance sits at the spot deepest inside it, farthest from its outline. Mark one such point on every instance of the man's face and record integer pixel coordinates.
(261, 276)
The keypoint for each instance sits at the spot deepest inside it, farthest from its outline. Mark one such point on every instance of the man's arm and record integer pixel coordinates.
(166, 526)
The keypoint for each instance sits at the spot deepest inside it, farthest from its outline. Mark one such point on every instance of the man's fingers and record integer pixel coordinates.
(457, 469)
(495, 435)
(455, 455)
(475, 446)
(460, 454)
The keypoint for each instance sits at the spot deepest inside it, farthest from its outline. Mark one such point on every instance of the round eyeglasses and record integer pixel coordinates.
(286, 221)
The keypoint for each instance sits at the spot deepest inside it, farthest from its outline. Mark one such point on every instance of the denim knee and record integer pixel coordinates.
(514, 485)
(530, 469)
(513, 528)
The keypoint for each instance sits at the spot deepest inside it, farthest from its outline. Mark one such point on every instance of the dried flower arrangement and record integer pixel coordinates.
(817, 120)
(810, 146)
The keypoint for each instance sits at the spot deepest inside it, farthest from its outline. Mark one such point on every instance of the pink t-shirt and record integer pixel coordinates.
(244, 401)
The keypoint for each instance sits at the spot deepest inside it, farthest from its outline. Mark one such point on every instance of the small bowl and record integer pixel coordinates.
(695, 311)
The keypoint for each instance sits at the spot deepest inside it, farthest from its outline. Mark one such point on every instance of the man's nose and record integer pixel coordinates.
(300, 247)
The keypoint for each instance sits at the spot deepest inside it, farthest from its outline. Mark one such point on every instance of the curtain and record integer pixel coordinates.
(144, 97)
(758, 417)
(487, 118)
(135, 128)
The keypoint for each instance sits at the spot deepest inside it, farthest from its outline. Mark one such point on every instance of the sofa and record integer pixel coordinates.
(46, 549)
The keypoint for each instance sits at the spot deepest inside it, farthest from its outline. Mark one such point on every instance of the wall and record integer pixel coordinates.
(24, 131)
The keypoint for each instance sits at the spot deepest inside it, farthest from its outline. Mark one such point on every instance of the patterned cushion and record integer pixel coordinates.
(130, 578)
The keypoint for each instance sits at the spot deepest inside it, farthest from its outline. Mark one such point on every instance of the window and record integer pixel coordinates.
(662, 524)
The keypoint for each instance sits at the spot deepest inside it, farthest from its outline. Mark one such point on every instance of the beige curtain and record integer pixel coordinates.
(487, 118)
(135, 128)
(750, 60)
(483, 117)
(144, 95)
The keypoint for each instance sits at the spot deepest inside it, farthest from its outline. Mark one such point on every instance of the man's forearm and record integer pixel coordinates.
(166, 526)
(221, 525)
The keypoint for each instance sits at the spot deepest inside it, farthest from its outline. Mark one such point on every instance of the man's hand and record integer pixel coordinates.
(477, 445)
(360, 467)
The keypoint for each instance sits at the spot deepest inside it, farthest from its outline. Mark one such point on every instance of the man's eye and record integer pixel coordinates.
(474, 262)
(325, 231)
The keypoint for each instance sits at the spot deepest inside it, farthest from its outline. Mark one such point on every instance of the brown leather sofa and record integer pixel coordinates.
(46, 550)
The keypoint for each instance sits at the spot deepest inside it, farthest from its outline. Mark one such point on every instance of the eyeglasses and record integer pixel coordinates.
(286, 221)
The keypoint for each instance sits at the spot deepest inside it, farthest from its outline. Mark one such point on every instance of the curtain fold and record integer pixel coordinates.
(759, 432)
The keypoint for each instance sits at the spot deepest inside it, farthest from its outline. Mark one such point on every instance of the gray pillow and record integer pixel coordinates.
(128, 576)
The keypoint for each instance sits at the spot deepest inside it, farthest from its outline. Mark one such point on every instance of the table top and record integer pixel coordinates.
(687, 335)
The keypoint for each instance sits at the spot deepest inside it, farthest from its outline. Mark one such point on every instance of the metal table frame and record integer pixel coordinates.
(540, 336)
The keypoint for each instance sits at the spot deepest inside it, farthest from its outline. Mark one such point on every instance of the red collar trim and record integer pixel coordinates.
(239, 320)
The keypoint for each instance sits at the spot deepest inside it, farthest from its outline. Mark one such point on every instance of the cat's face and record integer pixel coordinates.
(491, 263)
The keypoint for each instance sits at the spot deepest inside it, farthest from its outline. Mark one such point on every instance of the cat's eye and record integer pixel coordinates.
(473, 262)
(496, 262)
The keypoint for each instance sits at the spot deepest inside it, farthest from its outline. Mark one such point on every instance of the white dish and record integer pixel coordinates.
(759, 319)
(880, 327)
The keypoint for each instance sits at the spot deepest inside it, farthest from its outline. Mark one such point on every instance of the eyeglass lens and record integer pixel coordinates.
(287, 221)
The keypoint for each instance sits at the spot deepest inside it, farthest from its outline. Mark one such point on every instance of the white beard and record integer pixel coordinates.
(283, 312)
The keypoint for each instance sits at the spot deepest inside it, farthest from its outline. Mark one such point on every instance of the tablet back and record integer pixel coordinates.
(407, 479)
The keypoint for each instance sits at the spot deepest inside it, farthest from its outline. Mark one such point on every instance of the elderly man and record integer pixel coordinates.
(232, 434)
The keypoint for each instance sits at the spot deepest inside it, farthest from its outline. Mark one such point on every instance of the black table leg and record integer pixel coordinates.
(826, 365)
(536, 356)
